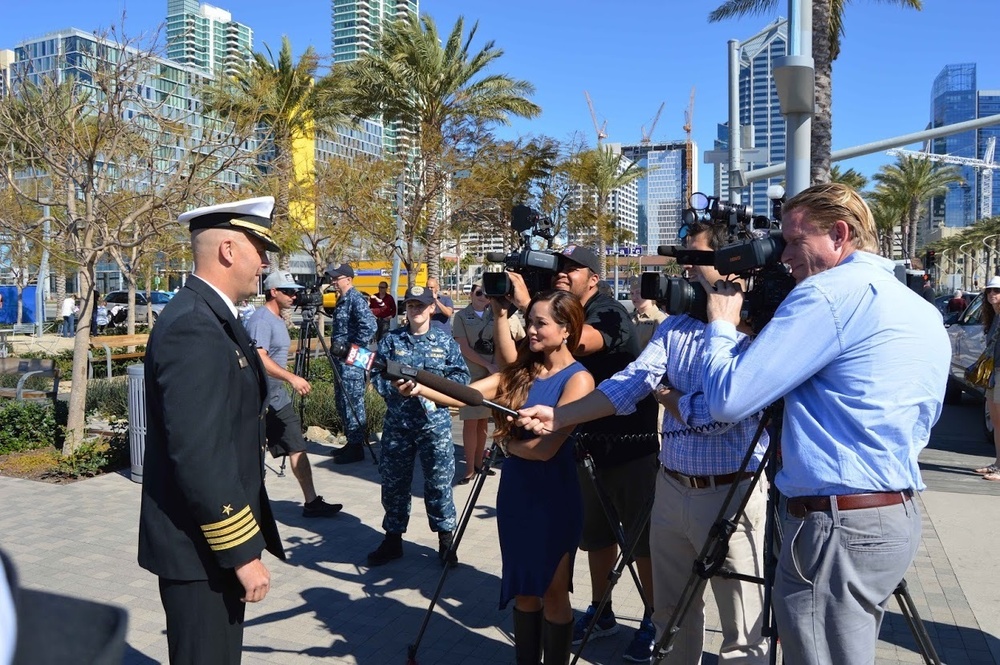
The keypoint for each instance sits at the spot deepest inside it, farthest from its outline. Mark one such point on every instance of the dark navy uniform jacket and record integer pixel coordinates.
(204, 506)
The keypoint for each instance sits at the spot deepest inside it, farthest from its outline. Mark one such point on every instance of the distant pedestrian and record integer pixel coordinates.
(68, 313)
(444, 307)
(383, 307)
(991, 329)
(958, 303)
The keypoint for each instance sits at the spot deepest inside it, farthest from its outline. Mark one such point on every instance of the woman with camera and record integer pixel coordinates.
(473, 330)
(539, 506)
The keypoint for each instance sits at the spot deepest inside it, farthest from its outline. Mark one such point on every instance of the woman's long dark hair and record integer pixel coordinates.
(516, 378)
(986, 313)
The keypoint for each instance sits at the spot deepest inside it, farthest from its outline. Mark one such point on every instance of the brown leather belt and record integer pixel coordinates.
(704, 482)
(799, 506)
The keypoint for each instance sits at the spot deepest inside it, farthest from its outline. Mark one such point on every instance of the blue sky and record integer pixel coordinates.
(631, 56)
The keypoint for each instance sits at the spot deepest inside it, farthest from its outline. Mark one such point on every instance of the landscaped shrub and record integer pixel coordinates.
(108, 397)
(97, 456)
(26, 425)
(321, 410)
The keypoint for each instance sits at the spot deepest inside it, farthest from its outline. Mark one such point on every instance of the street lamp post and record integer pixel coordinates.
(989, 253)
(965, 265)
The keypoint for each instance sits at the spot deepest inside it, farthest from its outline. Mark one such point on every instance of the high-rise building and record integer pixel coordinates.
(6, 60)
(207, 37)
(662, 192)
(953, 99)
(357, 27)
(987, 104)
(759, 109)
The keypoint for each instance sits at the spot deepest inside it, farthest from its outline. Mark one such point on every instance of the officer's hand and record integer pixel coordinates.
(725, 300)
(300, 385)
(520, 297)
(255, 579)
(537, 419)
(408, 388)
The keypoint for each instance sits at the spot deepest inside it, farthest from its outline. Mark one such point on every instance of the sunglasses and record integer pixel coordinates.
(288, 292)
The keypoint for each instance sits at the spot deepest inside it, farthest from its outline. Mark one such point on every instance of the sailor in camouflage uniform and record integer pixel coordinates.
(353, 323)
(416, 426)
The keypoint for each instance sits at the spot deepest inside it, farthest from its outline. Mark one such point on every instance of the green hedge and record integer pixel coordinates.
(321, 409)
(26, 426)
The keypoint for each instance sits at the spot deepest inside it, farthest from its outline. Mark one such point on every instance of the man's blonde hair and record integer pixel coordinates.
(832, 202)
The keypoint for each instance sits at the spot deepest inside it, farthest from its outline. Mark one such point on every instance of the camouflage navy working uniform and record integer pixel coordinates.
(353, 323)
(414, 425)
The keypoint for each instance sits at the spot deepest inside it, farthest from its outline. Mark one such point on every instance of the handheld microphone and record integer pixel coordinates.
(359, 356)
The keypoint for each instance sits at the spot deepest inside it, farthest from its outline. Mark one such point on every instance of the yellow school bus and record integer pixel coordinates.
(367, 275)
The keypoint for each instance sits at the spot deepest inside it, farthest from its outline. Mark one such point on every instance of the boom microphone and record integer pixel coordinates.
(688, 257)
(359, 356)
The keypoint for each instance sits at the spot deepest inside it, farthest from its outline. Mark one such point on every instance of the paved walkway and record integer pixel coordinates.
(327, 607)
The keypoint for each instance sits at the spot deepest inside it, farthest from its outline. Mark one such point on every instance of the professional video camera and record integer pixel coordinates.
(754, 253)
(313, 297)
(536, 266)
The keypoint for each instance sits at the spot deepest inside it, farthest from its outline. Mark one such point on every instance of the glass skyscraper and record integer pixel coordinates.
(987, 104)
(953, 99)
(759, 109)
(662, 194)
(207, 37)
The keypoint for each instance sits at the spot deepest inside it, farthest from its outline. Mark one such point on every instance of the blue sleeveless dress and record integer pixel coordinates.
(539, 507)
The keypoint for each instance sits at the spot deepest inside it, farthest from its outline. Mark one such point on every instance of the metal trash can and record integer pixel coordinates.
(136, 418)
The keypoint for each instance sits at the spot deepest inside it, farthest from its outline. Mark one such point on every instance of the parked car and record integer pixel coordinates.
(965, 330)
(119, 299)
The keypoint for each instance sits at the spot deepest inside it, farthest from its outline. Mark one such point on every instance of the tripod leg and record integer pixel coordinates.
(463, 522)
(912, 617)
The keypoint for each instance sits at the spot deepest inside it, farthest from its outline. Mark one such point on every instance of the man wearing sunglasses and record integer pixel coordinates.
(284, 429)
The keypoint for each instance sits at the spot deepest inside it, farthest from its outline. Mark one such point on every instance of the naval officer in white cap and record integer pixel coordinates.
(205, 516)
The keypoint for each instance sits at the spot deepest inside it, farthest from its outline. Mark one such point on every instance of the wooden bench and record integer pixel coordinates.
(25, 368)
(109, 342)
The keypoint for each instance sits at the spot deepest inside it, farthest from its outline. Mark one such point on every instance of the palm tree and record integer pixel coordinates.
(889, 210)
(828, 31)
(282, 98)
(914, 180)
(600, 172)
(434, 89)
(850, 177)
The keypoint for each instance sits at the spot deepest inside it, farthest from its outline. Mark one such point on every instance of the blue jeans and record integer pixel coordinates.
(836, 572)
(69, 326)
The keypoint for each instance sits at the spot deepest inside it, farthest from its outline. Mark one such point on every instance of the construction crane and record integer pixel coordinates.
(985, 166)
(689, 145)
(600, 131)
(647, 137)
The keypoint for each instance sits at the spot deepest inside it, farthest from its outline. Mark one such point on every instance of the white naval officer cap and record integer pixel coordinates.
(253, 216)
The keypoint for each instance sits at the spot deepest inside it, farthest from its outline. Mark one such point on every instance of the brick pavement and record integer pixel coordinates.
(327, 607)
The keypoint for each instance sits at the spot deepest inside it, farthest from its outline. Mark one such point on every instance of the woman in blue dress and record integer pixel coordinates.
(539, 507)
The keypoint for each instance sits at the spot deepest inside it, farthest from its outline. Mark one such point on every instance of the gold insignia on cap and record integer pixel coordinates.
(232, 531)
(417, 291)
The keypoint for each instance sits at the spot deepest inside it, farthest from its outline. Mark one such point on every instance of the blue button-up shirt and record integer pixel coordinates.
(862, 362)
(697, 445)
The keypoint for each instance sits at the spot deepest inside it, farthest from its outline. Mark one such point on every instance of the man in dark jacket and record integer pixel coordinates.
(205, 516)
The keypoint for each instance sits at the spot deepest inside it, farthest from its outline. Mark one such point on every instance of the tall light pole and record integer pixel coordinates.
(989, 252)
(965, 265)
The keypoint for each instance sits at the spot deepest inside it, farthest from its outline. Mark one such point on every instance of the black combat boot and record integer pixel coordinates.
(445, 555)
(391, 548)
(528, 637)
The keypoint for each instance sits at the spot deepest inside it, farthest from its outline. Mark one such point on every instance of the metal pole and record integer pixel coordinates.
(795, 80)
(735, 133)
(400, 229)
(43, 274)
(884, 144)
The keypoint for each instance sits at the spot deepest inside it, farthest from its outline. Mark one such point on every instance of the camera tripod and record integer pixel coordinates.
(713, 553)
(308, 330)
(626, 547)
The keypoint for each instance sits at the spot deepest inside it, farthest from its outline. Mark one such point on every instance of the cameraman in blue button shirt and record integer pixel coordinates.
(861, 362)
